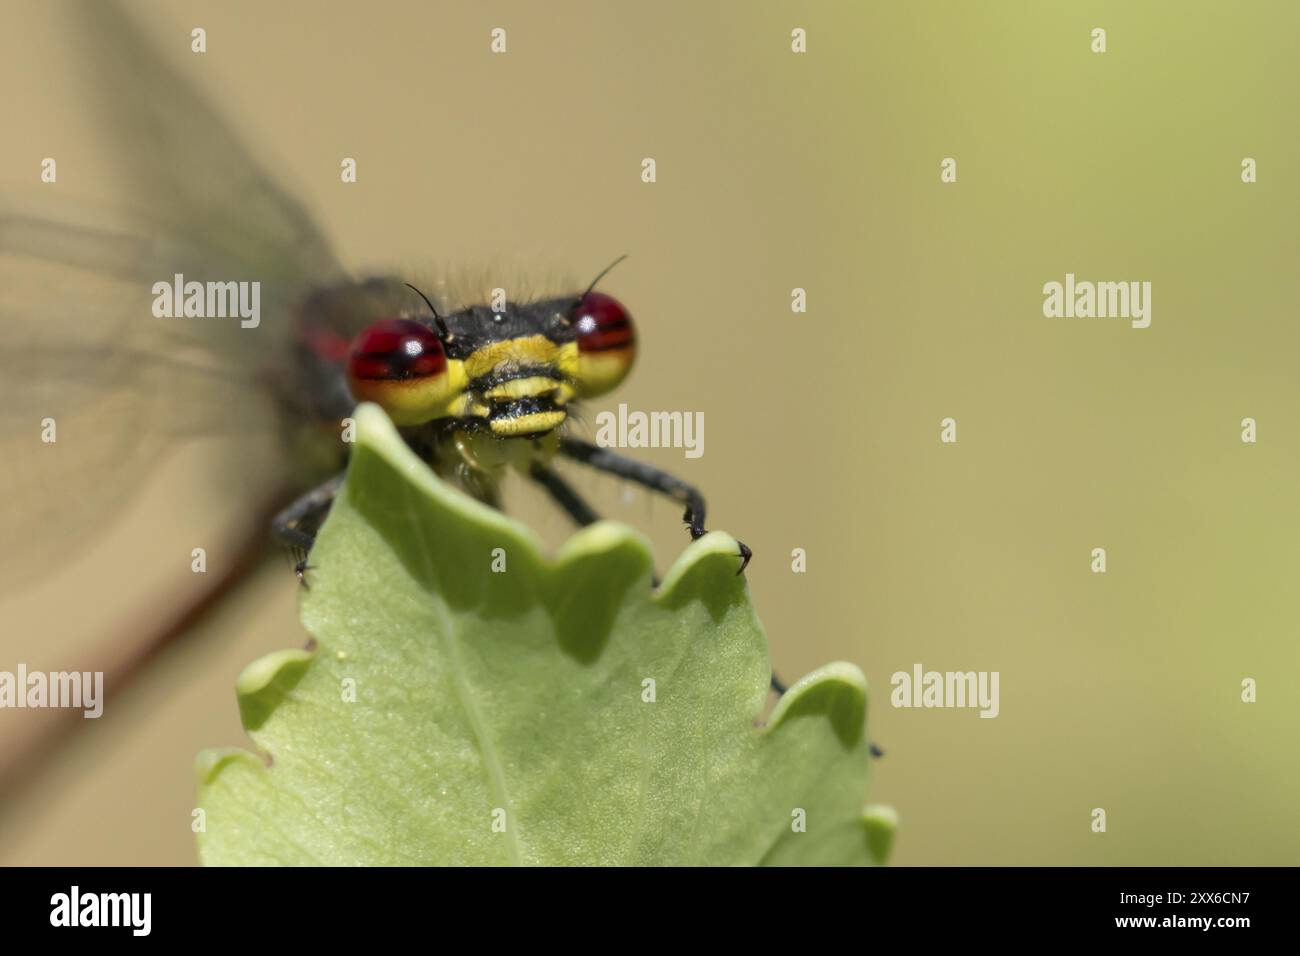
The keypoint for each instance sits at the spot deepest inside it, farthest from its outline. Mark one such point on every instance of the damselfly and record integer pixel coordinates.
(478, 389)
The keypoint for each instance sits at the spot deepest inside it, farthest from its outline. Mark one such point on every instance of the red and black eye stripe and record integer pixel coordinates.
(602, 324)
(396, 350)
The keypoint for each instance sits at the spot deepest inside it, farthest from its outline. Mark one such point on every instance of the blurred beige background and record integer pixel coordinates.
(820, 171)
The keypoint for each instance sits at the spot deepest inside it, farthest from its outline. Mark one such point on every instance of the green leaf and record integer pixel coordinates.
(452, 714)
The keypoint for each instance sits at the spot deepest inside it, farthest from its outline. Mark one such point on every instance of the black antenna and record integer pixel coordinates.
(437, 319)
(603, 272)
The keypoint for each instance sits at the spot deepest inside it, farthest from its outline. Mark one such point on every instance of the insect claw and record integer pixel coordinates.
(876, 751)
(745, 555)
(300, 571)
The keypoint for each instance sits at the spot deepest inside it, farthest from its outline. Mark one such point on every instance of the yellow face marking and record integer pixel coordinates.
(527, 350)
(451, 397)
(526, 424)
(534, 386)
(566, 360)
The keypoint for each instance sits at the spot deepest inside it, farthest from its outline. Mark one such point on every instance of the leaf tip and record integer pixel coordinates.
(836, 691)
(705, 569)
(880, 824)
(378, 443)
(264, 683)
(374, 427)
(600, 539)
(209, 762)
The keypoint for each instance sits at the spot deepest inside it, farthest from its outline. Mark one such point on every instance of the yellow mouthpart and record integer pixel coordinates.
(526, 424)
(532, 387)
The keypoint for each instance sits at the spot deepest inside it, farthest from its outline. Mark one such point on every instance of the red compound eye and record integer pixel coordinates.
(606, 343)
(394, 350)
(603, 324)
(401, 365)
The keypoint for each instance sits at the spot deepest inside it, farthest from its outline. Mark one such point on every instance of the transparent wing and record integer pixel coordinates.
(94, 389)
(182, 166)
(81, 349)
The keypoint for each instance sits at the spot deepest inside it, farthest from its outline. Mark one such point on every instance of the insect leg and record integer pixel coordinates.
(607, 461)
(296, 525)
(564, 495)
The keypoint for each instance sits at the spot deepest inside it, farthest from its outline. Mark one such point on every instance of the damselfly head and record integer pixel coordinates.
(512, 370)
